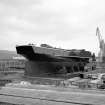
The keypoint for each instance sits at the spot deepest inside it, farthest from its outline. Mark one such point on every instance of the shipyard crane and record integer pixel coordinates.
(101, 45)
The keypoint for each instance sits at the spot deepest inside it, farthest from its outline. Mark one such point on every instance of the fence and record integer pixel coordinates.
(12, 65)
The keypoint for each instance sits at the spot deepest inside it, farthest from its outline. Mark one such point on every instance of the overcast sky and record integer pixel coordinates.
(61, 23)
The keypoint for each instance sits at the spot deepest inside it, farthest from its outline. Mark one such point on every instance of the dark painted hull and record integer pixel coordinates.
(42, 61)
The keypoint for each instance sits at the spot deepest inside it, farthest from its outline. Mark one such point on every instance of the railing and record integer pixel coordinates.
(8, 65)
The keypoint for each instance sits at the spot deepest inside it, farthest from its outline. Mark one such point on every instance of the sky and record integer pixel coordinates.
(68, 24)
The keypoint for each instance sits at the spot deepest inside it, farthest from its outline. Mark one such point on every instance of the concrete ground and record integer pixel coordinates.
(50, 95)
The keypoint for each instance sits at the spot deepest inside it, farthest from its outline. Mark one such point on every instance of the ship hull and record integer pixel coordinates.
(45, 63)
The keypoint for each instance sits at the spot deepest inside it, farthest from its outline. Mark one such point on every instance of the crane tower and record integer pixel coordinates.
(101, 45)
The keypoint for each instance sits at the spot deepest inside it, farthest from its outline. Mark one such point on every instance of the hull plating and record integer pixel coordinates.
(41, 64)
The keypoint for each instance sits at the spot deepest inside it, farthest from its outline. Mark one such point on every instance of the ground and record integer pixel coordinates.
(51, 95)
